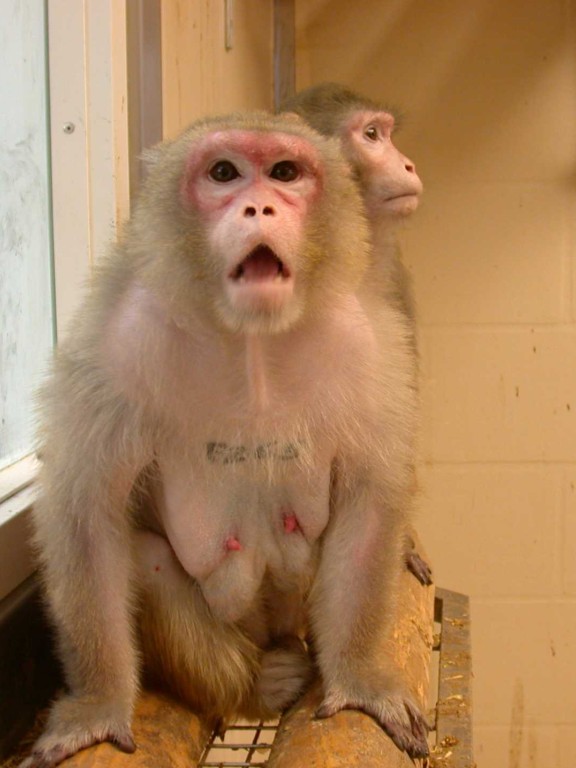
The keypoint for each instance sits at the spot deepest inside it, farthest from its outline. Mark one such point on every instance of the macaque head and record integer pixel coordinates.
(389, 183)
(388, 179)
(259, 215)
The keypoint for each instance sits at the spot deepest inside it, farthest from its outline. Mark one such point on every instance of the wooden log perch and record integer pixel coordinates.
(352, 738)
(169, 735)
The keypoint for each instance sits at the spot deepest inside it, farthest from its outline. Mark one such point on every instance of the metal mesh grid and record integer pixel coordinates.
(243, 745)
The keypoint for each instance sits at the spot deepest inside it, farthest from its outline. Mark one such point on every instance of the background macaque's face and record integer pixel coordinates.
(254, 193)
(392, 186)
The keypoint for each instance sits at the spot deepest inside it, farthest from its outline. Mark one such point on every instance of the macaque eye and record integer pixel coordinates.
(223, 171)
(371, 132)
(285, 171)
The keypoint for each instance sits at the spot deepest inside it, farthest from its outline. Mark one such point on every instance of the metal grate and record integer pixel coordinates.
(248, 744)
(242, 746)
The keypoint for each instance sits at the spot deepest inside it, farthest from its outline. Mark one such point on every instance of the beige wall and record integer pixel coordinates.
(489, 88)
(201, 77)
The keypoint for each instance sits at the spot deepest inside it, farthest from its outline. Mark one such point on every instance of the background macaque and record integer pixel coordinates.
(228, 442)
(390, 188)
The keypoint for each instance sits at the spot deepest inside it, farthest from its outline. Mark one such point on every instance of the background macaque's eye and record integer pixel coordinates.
(285, 171)
(371, 132)
(223, 171)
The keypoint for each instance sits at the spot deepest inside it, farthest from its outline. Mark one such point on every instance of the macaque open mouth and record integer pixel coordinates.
(261, 265)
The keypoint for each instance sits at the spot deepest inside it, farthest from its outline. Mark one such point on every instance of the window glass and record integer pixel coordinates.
(26, 313)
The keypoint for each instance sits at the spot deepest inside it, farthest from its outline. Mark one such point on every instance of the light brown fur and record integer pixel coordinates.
(153, 403)
(328, 108)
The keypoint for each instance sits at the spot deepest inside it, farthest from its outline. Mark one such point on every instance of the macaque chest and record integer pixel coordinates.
(234, 510)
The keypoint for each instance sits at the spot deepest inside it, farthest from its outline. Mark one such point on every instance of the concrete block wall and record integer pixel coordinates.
(489, 92)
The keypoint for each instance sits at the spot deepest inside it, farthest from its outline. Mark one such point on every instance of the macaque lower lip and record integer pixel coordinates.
(261, 265)
(400, 204)
(402, 197)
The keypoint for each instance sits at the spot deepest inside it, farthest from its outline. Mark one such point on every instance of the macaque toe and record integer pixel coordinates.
(124, 742)
(419, 568)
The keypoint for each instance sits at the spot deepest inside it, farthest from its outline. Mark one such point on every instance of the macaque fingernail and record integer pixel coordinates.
(126, 744)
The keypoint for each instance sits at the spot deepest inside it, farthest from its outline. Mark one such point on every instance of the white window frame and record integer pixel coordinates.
(90, 195)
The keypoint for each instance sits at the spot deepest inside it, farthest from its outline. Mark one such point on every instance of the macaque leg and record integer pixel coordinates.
(352, 600)
(212, 665)
(88, 583)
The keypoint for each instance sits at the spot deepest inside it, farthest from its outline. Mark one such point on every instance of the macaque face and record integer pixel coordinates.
(392, 187)
(254, 193)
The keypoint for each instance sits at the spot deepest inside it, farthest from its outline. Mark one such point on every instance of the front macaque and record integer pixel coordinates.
(228, 447)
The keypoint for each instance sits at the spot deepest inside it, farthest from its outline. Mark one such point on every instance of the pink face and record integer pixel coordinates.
(254, 191)
(390, 185)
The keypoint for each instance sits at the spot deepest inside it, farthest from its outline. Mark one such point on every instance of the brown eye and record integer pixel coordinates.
(371, 133)
(223, 171)
(285, 171)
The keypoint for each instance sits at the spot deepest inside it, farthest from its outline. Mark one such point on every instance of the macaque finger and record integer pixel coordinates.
(419, 568)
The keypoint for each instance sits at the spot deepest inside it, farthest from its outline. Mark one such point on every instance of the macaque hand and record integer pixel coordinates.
(395, 711)
(76, 723)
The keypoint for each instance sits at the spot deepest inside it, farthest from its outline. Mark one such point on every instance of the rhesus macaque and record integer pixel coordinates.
(228, 442)
(390, 188)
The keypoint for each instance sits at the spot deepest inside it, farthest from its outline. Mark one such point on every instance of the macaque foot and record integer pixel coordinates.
(419, 568)
(399, 717)
(285, 672)
(75, 724)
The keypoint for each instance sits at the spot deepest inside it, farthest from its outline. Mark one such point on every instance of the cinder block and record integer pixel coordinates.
(529, 745)
(492, 531)
(524, 669)
(490, 253)
(498, 395)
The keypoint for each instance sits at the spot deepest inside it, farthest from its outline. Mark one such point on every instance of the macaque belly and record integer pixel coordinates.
(233, 512)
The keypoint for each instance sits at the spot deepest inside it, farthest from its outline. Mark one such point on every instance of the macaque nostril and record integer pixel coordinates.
(250, 211)
(268, 211)
(410, 168)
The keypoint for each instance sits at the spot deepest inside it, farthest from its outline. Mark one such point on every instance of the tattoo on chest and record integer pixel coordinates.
(223, 453)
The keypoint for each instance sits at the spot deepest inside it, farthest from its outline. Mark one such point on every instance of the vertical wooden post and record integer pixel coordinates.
(284, 50)
(144, 65)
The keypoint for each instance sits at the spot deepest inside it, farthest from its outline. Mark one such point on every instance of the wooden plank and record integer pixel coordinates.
(284, 50)
(454, 708)
(200, 75)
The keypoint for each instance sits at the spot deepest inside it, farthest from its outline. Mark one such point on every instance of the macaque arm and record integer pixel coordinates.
(82, 535)
(353, 601)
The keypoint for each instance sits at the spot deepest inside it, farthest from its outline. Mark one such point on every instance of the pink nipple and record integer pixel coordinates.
(232, 544)
(290, 522)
